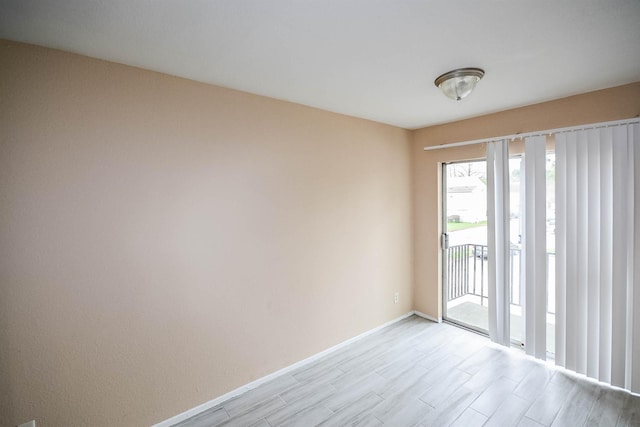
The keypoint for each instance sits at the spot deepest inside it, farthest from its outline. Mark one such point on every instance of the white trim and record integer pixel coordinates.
(250, 386)
(537, 133)
(426, 316)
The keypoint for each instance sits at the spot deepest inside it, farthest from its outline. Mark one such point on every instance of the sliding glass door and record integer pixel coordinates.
(465, 249)
(464, 243)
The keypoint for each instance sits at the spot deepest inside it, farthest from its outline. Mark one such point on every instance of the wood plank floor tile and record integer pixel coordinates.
(402, 412)
(451, 408)
(411, 382)
(370, 383)
(528, 422)
(310, 407)
(437, 372)
(256, 412)
(606, 409)
(534, 382)
(398, 365)
(470, 418)
(630, 415)
(493, 396)
(307, 391)
(576, 408)
(432, 342)
(441, 390)
(244, 402)
(357, 411)
(419, 373)
(485, 376)
(208, 418)
(352, 377)
(509, 413)
(402, 407)
(367, 421)
(301, 413)
(483, 358)
(317, 370)
(545, 408)
(516, 367)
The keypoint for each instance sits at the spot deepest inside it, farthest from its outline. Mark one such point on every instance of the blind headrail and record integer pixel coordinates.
(537, 133)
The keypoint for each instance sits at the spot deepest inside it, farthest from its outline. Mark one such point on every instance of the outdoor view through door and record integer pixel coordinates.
(465, 270)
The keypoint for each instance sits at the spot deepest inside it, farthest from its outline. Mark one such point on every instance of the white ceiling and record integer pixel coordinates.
(375, 59)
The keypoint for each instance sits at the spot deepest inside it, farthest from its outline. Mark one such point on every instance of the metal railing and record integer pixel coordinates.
(467, 274)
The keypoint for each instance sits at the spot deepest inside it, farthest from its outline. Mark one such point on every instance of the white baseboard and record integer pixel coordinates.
(240, 390)
(426, 316)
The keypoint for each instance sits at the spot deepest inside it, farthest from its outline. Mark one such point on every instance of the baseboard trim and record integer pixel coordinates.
(426, 316)
(250, 386)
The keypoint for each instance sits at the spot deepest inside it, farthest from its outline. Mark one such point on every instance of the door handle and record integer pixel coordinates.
(444, 240)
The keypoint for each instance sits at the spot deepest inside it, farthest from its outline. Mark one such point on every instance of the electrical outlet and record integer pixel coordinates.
(29, 424)
(396, 297)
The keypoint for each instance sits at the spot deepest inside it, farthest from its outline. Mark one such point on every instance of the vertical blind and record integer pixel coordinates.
(534, 242)
(597, 203)
(597, 250)
(498, 240)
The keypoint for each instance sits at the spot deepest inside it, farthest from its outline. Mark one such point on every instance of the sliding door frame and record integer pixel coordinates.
(444, 248)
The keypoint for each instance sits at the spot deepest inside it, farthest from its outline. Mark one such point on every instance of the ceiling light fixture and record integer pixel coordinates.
(459, 83)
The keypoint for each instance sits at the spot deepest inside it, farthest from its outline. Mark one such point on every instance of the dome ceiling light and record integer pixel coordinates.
(459, 83)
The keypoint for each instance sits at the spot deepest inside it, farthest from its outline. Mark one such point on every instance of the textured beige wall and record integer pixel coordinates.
(618, 103)
(163, 241)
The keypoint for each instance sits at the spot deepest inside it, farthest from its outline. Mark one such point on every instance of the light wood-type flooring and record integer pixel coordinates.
(420, 373)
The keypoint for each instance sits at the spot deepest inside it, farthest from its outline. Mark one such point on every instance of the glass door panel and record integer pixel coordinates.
(465, 266)
(465, 256)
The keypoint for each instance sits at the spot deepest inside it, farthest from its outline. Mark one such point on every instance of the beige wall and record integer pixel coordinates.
(612, 104)
(164, 241)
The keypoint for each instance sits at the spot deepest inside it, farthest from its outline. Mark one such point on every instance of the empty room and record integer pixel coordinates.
(331, 213)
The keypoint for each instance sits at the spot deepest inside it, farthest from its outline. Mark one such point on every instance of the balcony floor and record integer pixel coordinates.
(469, 311)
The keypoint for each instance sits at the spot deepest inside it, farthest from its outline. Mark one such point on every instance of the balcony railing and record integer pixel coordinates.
(467, 274)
